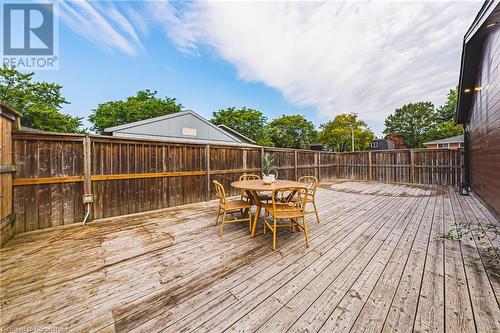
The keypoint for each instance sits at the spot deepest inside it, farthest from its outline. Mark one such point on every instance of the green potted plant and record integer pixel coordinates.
(270, 174)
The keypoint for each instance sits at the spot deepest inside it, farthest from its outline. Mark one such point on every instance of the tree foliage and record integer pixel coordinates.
(249, 122)
(412, 122)
(265, 140)
(444, 130)
(39, 103)
(419, 122)
(293, 131)
(445, 125)
(144, 105)
(446, 112)
(337, 133)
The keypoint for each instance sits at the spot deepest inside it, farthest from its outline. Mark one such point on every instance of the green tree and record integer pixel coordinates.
(265, 140)
(249, 122)
(337, 133)
(446, 112)
(292, 132)
(39, 103)
(445, 125)
(144, 105)
(444, 130)
(412, 122)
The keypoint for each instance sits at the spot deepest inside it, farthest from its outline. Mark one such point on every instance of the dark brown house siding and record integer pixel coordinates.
(484, 125)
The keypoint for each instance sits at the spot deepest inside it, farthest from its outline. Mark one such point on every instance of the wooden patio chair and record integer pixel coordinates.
(288, 203)
(230, 207)
(312, 184)
(244, 196)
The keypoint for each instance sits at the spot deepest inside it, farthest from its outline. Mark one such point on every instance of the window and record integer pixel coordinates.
(442, 145)
(189, 131)
(374, 144)
(461, 145)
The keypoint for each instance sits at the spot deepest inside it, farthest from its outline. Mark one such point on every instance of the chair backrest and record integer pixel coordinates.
(220, 192)
(311, 183)
(290, 200)
(247, 176)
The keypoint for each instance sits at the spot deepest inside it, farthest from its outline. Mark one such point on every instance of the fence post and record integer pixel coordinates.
(295, 164)
(319, 166)
(87, 173)
(244, 160)
(369, 165)
(337, 172)
(261, 161)
(87, 165)
(207, 159)
(412, 166)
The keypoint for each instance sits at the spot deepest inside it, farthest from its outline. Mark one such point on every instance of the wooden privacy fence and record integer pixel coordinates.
(128, 176)
(8, 120)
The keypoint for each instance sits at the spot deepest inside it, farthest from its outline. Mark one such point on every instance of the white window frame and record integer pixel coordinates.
(189, 131)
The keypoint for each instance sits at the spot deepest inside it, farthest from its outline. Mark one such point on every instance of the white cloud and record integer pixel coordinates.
(95, 23)
(124, 24)
(184, 25)
(336, 57)
(138, 20)
(365, 57)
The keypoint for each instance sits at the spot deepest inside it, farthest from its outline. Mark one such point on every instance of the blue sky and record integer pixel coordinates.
(91, 74)
(315, 59)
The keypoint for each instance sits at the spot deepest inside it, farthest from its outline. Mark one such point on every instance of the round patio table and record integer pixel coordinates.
(253, 187)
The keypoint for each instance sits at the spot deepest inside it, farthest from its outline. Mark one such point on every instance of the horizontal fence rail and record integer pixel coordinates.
(129, 176)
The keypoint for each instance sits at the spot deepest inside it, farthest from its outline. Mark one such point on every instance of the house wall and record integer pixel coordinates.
(382, 145)
(454, 145)
(484, 125)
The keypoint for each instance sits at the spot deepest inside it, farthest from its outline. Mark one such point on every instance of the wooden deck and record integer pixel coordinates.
(374, 265)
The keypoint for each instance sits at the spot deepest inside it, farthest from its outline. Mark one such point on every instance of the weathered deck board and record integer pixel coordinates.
(287, 253)
(430, 314)
(328, 267)
(374, 311)
(328, 290)
(483, 300)
(458, 310)
(374, 265)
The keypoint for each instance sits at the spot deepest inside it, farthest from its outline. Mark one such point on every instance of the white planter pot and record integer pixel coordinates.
(268, 179)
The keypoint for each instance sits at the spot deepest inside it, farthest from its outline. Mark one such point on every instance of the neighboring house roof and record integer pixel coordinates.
(453, 139)
(186, 126)
(238, 134)
(487, 19)
(33, 130)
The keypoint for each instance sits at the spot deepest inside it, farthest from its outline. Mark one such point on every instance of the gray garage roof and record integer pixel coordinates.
(185, 126)
(453, 139)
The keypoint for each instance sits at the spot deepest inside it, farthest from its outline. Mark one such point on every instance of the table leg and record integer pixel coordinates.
(254, 197)
(256, 220)
(251, 199)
